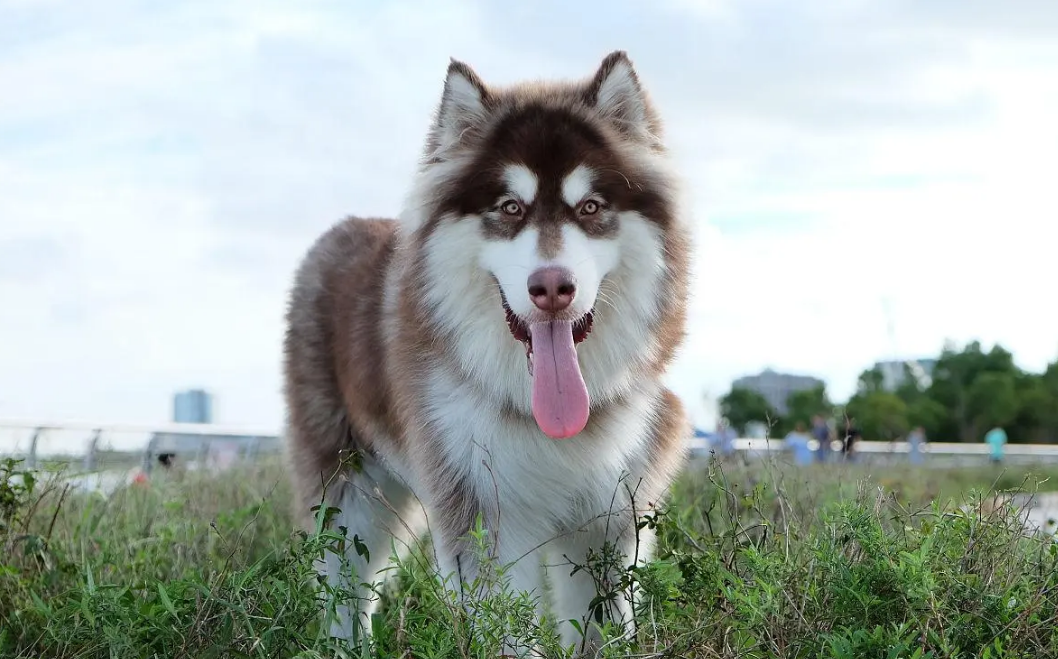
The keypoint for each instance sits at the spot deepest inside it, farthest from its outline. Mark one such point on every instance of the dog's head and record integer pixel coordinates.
(549, 207)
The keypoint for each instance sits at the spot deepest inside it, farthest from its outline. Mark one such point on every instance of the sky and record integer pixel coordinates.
(868, 179)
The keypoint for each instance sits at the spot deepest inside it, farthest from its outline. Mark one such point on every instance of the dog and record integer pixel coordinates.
(496, 352)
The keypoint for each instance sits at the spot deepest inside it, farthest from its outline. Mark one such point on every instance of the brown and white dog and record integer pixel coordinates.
(499, 349)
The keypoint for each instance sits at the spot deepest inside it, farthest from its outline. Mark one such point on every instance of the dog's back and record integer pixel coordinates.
(337, 393)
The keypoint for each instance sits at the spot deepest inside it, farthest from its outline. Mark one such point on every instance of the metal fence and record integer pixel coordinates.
(91, 447)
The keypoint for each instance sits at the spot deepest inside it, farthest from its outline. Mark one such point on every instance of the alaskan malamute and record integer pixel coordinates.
(499, 348)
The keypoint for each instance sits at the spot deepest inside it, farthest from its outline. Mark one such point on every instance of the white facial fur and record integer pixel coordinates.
(522, 182)
(513, 261)
(576, 186)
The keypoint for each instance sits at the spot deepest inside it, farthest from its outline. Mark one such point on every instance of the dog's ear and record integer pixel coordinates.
(615, 91)
(464, 104)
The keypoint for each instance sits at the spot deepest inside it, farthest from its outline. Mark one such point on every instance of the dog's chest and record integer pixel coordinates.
(510, 463)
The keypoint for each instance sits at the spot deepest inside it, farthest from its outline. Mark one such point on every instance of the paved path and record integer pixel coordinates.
(1041, 511)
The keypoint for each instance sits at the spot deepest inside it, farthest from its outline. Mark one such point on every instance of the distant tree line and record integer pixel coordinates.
(971, 391)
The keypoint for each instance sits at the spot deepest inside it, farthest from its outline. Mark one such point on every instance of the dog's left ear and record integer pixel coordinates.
(615, 91)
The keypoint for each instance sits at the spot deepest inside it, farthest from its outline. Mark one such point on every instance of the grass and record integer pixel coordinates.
(754, 561)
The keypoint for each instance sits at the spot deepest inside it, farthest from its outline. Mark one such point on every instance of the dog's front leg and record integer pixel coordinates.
(588, 564)
(477, 566)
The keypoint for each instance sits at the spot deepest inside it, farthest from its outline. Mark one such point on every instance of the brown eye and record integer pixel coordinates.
(590, 207)
(511, 208)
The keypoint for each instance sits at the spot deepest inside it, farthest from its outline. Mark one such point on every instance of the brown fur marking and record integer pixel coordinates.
(335, 400)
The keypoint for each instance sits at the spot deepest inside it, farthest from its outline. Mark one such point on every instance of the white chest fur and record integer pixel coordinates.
(512, 465)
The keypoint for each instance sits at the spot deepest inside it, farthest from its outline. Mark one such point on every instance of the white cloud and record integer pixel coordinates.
(163, 168)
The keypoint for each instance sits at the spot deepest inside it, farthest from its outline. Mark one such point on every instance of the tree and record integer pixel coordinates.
(879, 415)
(992, 401)
(971, 391)
(742, 406)
(1049, 417)
(805, 404)
(928, 413)
(1034, 418)
(870, 381)
(953, 379)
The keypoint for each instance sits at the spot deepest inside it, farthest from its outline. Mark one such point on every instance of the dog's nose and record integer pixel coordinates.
(552, 288)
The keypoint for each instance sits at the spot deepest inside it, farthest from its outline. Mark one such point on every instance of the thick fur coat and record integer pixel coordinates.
(437, 346)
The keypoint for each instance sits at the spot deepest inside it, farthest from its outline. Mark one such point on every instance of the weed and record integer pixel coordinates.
(753, 560)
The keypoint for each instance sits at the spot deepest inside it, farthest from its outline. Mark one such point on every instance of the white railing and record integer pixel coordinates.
(179, 428)
(32, 438)
(873, 447)
(85, 440)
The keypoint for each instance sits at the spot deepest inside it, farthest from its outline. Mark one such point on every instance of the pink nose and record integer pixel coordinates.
(552, 288)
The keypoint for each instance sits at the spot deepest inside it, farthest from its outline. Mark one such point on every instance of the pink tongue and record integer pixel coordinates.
(560, 398)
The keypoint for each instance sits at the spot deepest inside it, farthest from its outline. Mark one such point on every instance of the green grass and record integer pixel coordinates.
(754, 561)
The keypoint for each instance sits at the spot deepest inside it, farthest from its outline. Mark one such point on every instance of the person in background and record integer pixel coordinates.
(852, 435)
(915, 441)
(140, 476)
(821, 433)
(996, 438)
(797, 442)
(725, 437)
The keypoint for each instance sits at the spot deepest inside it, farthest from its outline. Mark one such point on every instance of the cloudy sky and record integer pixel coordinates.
(163, 166)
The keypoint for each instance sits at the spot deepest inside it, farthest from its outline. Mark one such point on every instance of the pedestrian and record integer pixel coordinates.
(797, 441)
(915, 441)
(821, 433)
(996, 438)
(852, 435)
(725, 437)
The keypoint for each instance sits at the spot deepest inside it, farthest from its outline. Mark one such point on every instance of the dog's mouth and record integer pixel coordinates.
(520, 329)
(560, 397)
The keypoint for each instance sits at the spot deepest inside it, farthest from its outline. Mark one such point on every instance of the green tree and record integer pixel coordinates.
(971, 390)
(870, 381)
(992, 401)
(1049, 416)
(928, 413)
(879, 415)
(1035, 406)
(803, 405)
(743, 406)
(953, 388)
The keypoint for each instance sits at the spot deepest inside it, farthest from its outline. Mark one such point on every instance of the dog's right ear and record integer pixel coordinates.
(464, 104)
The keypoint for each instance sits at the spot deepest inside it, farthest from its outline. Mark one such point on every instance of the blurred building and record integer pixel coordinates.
(895, 372)
(193, 406)
(776, 387)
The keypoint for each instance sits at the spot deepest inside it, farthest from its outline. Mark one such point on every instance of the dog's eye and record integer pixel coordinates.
(590, 207)
(511, 208)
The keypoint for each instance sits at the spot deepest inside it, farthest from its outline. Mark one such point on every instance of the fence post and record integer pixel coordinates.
(31, 456)
(253, 449)
(148, 454)
(202, 454)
